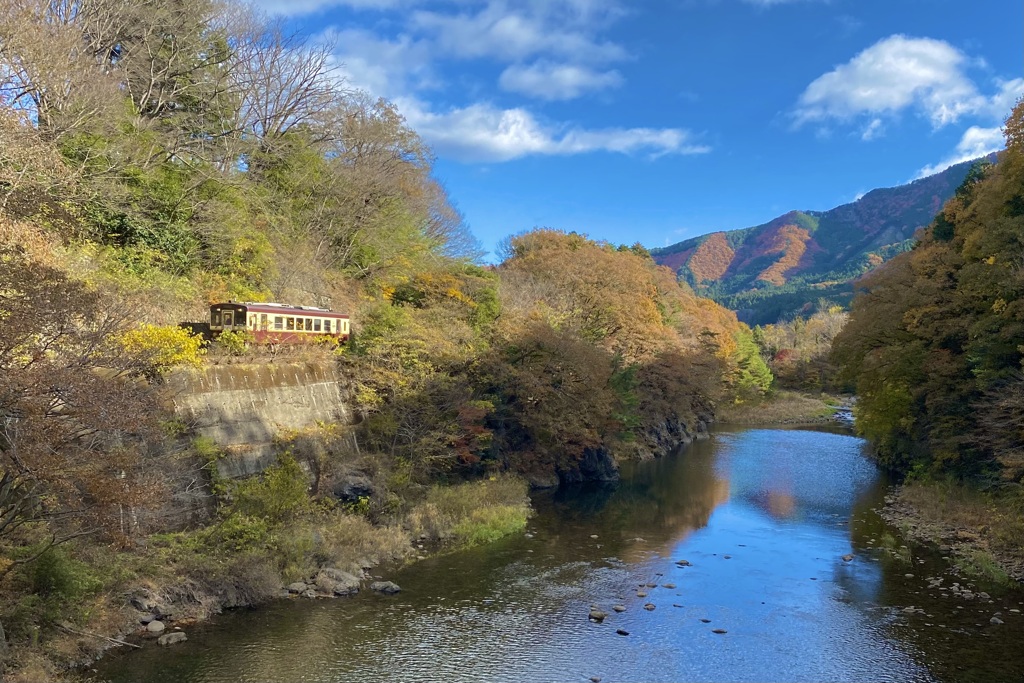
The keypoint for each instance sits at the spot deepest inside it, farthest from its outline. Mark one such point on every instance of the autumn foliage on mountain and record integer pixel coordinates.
(782, 268)
(935, 341)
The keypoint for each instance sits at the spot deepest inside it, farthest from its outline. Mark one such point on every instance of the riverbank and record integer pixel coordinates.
(983, 533)
(786, 408)
(245, 558)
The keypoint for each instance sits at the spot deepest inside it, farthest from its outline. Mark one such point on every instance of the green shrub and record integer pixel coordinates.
(487, 525)
(237, 532)
(57, 574)
(278, 496)
(473, 513)
(234, 342)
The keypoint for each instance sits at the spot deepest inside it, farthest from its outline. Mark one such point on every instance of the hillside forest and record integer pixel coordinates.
(935, 339)
(782, 268)
(157, 157)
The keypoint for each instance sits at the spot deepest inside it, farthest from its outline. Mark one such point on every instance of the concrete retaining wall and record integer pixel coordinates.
(242, 407)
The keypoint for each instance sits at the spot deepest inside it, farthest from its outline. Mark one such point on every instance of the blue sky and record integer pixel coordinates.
(654, 121)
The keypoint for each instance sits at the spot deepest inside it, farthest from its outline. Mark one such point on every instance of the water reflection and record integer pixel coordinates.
(763, 516)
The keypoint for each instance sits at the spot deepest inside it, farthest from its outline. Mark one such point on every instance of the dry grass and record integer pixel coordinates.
(351, 542)
(473, 513)
(784, 407)
(986, 531)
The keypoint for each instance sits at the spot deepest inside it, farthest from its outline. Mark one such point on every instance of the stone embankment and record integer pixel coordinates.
(242, 408)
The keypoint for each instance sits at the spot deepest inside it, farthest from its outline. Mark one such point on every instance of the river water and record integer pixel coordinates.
(763, 516)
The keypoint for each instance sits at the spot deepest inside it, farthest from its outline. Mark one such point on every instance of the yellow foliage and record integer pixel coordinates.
(164, 346)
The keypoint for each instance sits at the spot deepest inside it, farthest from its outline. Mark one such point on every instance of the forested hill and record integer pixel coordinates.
(774, 270)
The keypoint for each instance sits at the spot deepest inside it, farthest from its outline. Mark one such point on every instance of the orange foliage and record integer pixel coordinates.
(712, 258)
(791, 242)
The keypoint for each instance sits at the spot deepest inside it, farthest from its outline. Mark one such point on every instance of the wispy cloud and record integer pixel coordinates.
(512, 31)
(548, 81)
(484, 133)
(549, 51)
(294, 8)
(976, 142)
(772, 3)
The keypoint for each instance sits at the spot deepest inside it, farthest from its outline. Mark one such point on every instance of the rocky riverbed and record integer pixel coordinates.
(967, 545)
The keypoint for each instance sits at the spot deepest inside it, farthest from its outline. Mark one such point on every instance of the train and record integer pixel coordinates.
(272, 323)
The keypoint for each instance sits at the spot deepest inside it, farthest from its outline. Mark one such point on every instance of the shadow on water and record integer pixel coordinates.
(763, 516)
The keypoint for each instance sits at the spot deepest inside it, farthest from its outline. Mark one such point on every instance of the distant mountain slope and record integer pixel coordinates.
(782, 267)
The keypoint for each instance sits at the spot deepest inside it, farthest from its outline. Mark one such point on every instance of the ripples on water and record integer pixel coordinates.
(764, 516)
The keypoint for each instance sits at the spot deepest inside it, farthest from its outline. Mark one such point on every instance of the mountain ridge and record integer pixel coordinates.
(782, 267)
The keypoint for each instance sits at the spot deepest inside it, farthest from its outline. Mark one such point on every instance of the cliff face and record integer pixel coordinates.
(242, 408)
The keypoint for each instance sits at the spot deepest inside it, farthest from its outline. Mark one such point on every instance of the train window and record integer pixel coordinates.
(240, 317)
(344, 326)
(316, 325)
(327, 326)
(263, 321)
(309, 324)
(278, 322)
(290, 323)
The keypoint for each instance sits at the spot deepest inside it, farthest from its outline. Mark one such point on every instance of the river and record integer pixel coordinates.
(764, 517)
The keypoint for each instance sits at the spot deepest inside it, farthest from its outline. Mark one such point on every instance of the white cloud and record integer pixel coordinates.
(484, 133)
(294, 8)
(771, 3)
(514, 31)
(387, 68)
(976, 142)
(550, 51)
(1003, 101)
(548, 81)
(892, 75)
(873, 130)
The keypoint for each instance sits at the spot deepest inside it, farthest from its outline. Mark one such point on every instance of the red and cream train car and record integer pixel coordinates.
(278, 323)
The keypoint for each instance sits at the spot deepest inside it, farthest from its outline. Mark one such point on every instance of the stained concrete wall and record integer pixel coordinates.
(242, 407)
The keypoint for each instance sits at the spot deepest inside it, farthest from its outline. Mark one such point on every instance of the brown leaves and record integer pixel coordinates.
(74, 422)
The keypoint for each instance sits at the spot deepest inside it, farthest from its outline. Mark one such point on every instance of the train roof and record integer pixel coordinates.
(258, 307)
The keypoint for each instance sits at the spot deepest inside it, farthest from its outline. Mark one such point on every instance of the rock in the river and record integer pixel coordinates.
(331, 581)
(683, 563)
(706, 621)
(670, 586)
(718, 630)
(297, 587)
(172, 638)
(387, 587)
(995, 621)
(597, 615)
(155, 626)
(649, 606)
(848, 557)
(641, 594)
(622, 631)
(619, 608)
(311, 594)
